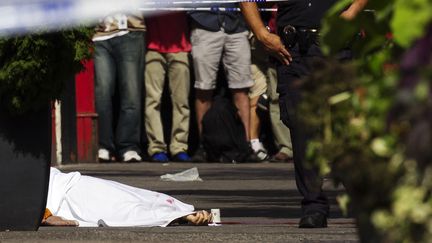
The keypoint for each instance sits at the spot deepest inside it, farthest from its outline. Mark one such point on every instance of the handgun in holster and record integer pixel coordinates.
(301, 36)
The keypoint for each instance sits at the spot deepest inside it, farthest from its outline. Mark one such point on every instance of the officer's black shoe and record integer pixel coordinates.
(313, 220)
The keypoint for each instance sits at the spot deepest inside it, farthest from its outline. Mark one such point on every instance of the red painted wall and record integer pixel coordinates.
(86, 115)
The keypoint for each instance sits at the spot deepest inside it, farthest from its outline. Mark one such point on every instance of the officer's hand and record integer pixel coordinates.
(274, 45)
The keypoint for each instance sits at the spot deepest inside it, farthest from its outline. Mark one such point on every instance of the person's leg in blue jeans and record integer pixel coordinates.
(105, 78)
(129, 57)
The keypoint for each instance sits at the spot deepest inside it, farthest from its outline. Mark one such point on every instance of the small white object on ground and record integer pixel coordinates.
(187, 175)
(216, 218)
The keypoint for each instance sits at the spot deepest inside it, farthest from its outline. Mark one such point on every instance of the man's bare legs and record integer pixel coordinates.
(203, 101)
(255, 127)
(241, 101)
(255, 123)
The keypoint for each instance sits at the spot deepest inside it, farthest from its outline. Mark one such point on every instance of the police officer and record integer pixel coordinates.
(296, 46)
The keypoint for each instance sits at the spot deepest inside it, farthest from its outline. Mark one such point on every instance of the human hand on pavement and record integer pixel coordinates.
(199, 218)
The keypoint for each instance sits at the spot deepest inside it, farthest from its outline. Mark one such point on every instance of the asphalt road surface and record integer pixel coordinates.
(259, 202)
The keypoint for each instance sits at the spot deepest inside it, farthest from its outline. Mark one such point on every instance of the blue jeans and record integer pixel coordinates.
(119, 69)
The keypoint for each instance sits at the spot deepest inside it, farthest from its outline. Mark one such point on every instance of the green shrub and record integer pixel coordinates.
(34, 67)
(374, 118)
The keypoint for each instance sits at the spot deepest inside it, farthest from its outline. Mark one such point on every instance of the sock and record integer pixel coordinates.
(259, 149)
(256, 144)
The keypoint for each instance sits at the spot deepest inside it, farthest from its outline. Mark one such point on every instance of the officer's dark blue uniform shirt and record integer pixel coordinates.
(230, 21)
(303, 13)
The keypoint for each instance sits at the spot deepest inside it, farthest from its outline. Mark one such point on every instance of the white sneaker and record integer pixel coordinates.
(262, 155)
(130, 156)
(103, 155)
(259, 149)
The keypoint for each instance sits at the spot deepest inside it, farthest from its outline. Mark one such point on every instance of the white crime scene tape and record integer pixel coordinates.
(221, 9)
(25, 16)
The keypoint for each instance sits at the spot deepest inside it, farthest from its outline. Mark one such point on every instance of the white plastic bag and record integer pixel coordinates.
(187, 175)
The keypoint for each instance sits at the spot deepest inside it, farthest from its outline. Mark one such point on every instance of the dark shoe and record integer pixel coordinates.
(253, 158)
(262, 155)
(181, 157)
(199, 156)
(280, 157)
(160, 157)
(313, 220)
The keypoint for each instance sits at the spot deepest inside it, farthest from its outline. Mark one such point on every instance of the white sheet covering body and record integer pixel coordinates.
(89, 199)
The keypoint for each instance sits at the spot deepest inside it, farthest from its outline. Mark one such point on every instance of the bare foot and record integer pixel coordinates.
(59, 221)
(198, 218)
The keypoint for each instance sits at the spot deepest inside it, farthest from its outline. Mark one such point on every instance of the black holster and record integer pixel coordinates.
(291, 36)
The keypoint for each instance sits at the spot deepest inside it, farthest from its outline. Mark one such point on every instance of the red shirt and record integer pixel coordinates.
(168, 33)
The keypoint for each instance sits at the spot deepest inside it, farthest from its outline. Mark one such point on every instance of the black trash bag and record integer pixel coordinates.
(223, 135)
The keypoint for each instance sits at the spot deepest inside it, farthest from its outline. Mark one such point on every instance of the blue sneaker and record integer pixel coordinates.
(182, 157)
(160, 157)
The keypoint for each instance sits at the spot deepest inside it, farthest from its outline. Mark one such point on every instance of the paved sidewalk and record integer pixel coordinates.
(259, 202)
